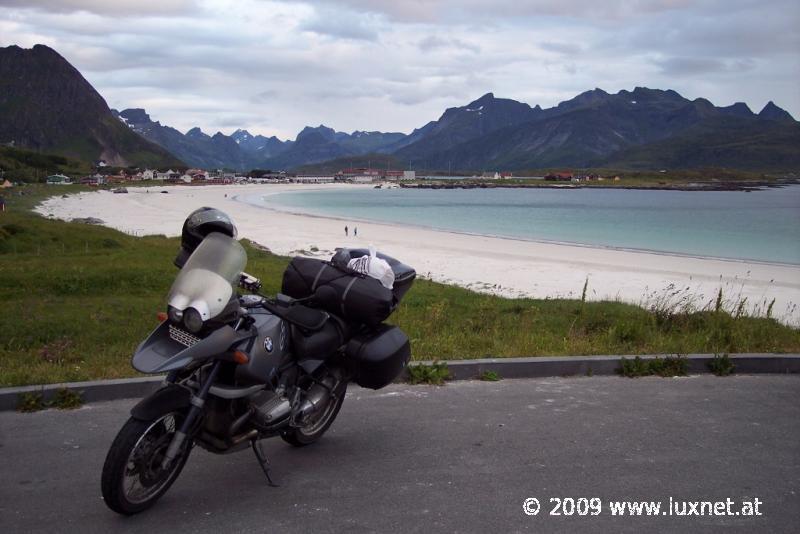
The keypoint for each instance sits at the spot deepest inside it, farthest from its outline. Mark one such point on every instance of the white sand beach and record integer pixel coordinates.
(507, 267)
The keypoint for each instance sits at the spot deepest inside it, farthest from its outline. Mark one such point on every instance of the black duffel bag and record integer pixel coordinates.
(353, 297)
(403, 274)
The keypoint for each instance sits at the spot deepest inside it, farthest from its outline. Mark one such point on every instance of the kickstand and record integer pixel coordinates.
(263, 462)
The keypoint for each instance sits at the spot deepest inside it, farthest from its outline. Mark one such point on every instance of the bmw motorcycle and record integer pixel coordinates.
(241, 366)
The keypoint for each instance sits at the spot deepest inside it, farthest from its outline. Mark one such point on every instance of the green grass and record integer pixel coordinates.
(63, 399)
(75, 300)
(670, 366)
(435, 373)
(489, 376)
(721, 365)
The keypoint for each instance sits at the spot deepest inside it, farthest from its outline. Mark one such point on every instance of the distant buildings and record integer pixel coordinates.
(559, 177)
(218, 176)
(97, 179)
(312, 179)
(366, 175)
(58, 179)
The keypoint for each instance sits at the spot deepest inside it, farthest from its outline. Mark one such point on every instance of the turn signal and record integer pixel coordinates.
(240, 357)
(161, 316)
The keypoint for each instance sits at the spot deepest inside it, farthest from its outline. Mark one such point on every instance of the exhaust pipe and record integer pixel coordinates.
(316, 398)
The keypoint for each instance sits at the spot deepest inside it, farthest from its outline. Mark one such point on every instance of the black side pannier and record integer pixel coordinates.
(378, 357)
(356, 298)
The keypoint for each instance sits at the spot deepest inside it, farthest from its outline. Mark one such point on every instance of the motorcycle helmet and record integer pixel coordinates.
(198, 225)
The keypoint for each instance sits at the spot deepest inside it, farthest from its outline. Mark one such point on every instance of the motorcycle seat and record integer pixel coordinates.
(308, 319)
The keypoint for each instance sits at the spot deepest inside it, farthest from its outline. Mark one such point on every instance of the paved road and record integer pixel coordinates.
(460, 458)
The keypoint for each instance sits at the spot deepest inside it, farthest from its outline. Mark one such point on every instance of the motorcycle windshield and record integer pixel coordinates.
(206, 280)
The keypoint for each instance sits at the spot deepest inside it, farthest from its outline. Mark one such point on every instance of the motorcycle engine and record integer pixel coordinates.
(270, 410)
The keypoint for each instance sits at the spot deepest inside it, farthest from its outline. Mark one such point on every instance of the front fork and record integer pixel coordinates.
(197, 402)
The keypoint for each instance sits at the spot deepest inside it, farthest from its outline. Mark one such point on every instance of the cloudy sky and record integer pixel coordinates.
(273, 67)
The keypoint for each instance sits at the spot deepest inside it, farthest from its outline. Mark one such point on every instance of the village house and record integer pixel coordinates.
(358, 175)
(95, 179)
(559, 177)
(168, 175)
(366, 175)
(312, 179)
(197, 174)
(58, 179)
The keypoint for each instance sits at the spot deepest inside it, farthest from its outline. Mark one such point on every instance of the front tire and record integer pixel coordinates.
(132, 478)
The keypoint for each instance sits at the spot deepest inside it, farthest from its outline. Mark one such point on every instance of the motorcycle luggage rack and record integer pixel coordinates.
(184, 338)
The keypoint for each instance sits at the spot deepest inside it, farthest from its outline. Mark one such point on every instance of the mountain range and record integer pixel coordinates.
(243, 150)
(47, 105)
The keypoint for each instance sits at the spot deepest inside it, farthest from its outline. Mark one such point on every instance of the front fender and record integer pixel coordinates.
(159, 352)
(169, 398)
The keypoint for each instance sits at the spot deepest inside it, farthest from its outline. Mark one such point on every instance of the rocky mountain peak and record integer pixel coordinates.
(135, 115)
(775, 113)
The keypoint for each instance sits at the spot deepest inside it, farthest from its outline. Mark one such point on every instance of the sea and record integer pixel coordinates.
(761, 226)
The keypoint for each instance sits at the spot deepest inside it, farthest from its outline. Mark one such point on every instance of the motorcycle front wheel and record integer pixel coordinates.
(133, 479)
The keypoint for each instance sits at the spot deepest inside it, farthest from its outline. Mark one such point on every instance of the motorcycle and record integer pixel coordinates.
(242, 367)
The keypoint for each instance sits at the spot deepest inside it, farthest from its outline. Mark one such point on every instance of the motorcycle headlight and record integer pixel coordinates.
(192, 320)
(175, 315)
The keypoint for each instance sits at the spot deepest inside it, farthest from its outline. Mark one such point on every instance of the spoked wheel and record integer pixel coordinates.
(314, 426)
(133, 478)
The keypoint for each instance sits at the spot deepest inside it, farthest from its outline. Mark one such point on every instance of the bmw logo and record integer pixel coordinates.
(268, 344)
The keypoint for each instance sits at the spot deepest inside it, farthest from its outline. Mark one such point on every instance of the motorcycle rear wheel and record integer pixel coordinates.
(317, 424)
(132, 478)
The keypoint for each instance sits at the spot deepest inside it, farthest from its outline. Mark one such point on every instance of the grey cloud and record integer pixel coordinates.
(230, 121)
(480, 11)
(362, 33)
(690, 66)
(351, 65)
(342, 23)
(561, 48)
(264, 96)
(740, 29)
(434, 42)
(108, 7)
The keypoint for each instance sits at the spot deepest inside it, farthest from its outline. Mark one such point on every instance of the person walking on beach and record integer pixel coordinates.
(355, 231)
(345, 230)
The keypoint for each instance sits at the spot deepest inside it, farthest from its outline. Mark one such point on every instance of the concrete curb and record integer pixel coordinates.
(93, 391)
(536, 367)
(540, 367)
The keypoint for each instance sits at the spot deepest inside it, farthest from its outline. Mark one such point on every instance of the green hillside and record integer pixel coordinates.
(19, 165)
(729, 142)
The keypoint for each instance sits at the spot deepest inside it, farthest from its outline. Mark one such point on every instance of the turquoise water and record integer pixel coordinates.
(762, 225)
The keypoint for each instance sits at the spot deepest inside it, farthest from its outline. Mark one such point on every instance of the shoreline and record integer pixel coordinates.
(655, 252)
(745, 186)
(503, 266)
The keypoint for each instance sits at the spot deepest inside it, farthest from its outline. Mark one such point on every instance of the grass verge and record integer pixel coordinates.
(76, 299)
